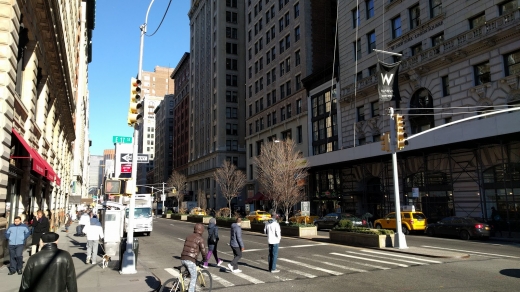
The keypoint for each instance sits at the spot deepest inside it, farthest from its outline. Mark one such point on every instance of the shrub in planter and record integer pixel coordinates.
(169, 212)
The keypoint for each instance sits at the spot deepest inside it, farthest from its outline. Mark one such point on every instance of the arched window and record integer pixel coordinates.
(421, 111)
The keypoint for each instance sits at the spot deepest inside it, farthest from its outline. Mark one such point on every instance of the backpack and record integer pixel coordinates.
(212, 238)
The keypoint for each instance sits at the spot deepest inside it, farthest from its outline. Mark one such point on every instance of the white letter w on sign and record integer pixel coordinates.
(387, 78)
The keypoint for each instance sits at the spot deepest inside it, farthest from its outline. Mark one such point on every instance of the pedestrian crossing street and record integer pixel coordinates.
(312, 266)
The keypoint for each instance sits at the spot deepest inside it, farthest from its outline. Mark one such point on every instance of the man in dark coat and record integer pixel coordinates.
(193, 245)
(41, 226)
(50, 270)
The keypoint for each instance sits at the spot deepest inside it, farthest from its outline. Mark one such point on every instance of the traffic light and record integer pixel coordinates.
(113, 187)
(400, 140)
(385, 142)
(135, 113)
(130, 187)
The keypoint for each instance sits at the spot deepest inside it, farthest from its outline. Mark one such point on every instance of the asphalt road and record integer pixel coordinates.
(308, 265)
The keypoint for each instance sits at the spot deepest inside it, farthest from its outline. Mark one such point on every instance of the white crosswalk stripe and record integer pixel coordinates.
(335, 265)
(297, 272)
(389, 258)
(172, 272)
(400, 256)
(352, 262)
(365, 259)
(473, 252)
(311, 267)
(222, 281)
(248, 278)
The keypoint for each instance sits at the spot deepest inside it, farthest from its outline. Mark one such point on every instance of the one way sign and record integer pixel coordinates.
(141, 157)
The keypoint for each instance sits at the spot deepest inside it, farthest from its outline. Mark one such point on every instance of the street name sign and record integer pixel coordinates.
(121, 140)
(141, 158)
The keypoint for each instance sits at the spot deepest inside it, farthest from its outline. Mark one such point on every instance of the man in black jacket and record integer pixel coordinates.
(41, 226)
(193, 245)
(50, 270)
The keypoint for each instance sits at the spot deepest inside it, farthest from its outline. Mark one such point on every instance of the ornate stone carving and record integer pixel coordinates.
(480, 90)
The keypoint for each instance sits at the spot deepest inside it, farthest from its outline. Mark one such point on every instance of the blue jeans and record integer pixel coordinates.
(192, 268)
(92, 250)
(16, 257)
(273, 256)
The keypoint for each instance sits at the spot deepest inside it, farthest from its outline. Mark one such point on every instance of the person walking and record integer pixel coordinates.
(68, 222)
(84, 220)
(17, 233)
(193, 245)
(212, 242)
(94, 232)
(237, 245)
(272, 229)
(50, 270)
(40, 226)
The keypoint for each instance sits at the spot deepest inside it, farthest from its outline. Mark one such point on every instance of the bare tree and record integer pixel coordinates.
(177, 180)
(282, 172)
(231, 181)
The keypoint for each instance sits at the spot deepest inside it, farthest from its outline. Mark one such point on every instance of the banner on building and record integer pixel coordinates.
(387, 83)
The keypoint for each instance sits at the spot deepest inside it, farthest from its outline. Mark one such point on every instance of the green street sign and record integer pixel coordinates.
(121, 140)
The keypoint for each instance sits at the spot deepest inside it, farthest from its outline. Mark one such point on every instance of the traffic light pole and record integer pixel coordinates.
(129, 264)
(399, 238)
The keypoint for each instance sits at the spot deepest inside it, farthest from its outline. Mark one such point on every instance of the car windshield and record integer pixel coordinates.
(418, 216)
(262, 213)
(141, 213)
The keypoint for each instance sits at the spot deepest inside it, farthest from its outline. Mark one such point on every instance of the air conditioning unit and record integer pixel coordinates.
(408, 208)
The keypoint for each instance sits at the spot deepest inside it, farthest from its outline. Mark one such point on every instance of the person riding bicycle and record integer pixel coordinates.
(193, 245)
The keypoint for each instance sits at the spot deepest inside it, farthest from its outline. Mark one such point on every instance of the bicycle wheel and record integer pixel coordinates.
(172, 285)
(204, 281)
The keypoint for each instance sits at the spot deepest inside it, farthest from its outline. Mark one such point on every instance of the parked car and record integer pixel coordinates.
(198, 211)
(410, 221)
(298, 218)
(332, 219)
(462, 227)
(258, 216)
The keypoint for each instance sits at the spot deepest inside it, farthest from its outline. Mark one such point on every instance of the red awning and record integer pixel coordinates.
(58, 180)
(37, 164)
(258, 197)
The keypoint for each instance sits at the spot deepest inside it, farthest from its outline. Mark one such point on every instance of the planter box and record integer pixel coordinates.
(205, 220)
(361, 239)
(224, 223)
(245, 224)
(168, 216)
(196, 219)
(299, 231)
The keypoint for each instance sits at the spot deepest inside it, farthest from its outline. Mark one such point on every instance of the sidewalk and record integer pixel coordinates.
(91, 277)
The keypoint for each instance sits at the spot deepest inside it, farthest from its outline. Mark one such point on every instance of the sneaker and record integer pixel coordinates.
(88, 261)
(230, 267)
(205, 266)
(275, 271)
(219, 263)
(93, 263)
(237, 271)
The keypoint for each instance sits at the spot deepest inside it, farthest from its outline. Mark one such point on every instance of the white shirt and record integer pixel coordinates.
(84, 220)
(93, 232)
(272, 229)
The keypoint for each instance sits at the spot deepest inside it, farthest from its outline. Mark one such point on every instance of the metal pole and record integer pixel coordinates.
(128, 266)
(399, 239)
(163, 197)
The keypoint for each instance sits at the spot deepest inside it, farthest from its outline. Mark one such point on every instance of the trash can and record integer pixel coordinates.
(122, 249)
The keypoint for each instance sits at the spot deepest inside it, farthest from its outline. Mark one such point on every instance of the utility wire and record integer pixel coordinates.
(165, 12)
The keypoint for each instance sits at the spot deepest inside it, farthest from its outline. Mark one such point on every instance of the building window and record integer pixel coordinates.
(298, 106)
(297, 58)
(359, 76)
(357, 49)
(296, 10)
(280, 24)
(297, 34)
(261, 103)
(372, 70)
(324, 123)
(508, 7)
(268, 99)
(231, 64)
(447, 120)
(396, 27)
(231, 48)
(416, 49)
(273, 95)
(374, 106)
(231, 96)
(231, 113)
(231, 33)
(287, 135)
(288, 64)
(231, 3)
(269, 120)
(512, 62)
(282, 46)
(370, 8)
(282, 91)
(299, 130)
(376, 138)
(477, 21)
(355, 18)
(282, 69)
(298, 82)
(445, 82)
(289, 111)
(361, 113)
(482, 73)
(282, 114)
(257, 106)
(231, 129)
(261, 124)
(259, 147)
(274, 117)
(437, 39)
(435, 7)
(415, 16)
(231, 145)
(287, 41)
(362, 141)
(371, 41)
(287, 19)
(250, 128)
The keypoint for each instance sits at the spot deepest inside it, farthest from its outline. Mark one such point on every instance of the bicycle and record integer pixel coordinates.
(182, 283)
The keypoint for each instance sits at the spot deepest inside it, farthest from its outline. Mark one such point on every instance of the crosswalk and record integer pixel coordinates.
(314, 265)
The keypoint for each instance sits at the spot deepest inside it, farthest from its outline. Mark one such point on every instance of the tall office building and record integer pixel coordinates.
(181, 116)
(460, 60)
(286, 41)
(147, 137)
(216, 94)
(158, 82)
(163, 157)
(95, 171)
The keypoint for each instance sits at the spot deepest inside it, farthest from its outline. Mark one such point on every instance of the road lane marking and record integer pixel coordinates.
(371, 260)
(400, 256)
(335, 265)
(222, 281)
(248, 278)
(311, 267)
(310, 276)
(473, 252)
(172, 272)
(351, 262)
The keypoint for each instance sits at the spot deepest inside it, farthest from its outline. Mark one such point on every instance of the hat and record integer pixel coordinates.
(50, 237)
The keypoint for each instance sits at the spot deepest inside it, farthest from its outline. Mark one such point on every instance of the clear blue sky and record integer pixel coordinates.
(115, 58)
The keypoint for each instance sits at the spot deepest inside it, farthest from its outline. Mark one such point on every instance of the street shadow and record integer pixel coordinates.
(152, 282)
(80, 255)
(515, 273)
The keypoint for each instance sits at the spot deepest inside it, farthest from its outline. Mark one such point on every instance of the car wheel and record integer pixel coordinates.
(406, 231)
(464, 235)
(430, 232)
(378, 226)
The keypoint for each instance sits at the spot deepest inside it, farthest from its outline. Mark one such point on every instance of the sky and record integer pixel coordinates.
(115, 59)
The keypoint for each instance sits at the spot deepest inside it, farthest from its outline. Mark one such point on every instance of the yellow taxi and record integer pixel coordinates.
(258, 216)
(302, 219)
(198, 211)
(410, 221)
